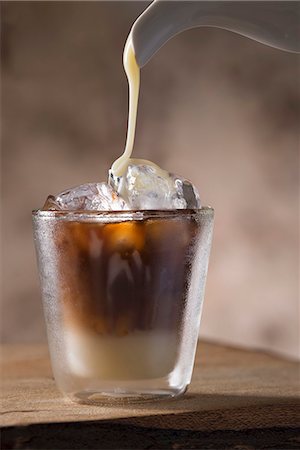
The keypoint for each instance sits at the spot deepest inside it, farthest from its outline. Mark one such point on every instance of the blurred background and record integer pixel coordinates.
(215, 107)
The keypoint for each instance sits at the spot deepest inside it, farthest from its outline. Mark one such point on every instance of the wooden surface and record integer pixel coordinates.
(235, 394)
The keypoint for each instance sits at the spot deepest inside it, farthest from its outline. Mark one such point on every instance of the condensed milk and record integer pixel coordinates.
(119, 167)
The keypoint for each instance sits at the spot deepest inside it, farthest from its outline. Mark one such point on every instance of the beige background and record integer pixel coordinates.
(215, 107)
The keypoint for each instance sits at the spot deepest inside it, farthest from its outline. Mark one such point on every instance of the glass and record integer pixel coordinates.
(122, 294)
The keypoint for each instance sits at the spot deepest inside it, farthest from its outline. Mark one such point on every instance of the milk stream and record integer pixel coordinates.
(132, 71)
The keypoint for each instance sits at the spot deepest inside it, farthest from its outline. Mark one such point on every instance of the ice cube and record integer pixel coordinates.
(186, 194)
(50, 204)
(89, 196)
(146, 186)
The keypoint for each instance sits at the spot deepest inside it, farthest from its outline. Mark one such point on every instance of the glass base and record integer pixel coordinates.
(119, 396)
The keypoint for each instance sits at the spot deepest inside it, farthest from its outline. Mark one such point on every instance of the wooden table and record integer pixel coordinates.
(238, 399)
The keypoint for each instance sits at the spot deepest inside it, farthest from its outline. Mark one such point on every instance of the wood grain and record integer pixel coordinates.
(238, 399)
(231, 389)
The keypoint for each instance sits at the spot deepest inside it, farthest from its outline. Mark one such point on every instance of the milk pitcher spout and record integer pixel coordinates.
(274, 23)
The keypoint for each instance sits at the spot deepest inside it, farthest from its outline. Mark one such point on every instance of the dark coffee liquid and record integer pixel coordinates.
(118, 278)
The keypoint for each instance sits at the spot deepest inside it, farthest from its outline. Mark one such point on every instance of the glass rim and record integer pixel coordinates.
(122, 214)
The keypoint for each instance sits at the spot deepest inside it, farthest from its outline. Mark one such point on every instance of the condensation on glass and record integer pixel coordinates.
(122, 295)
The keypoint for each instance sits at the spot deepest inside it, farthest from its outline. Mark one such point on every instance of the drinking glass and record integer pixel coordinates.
(122, 294)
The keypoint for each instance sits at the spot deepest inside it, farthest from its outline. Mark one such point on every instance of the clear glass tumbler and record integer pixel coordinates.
(122, 294)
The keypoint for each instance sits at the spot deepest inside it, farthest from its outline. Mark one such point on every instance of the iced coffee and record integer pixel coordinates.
(123, 266)
(122, 295)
